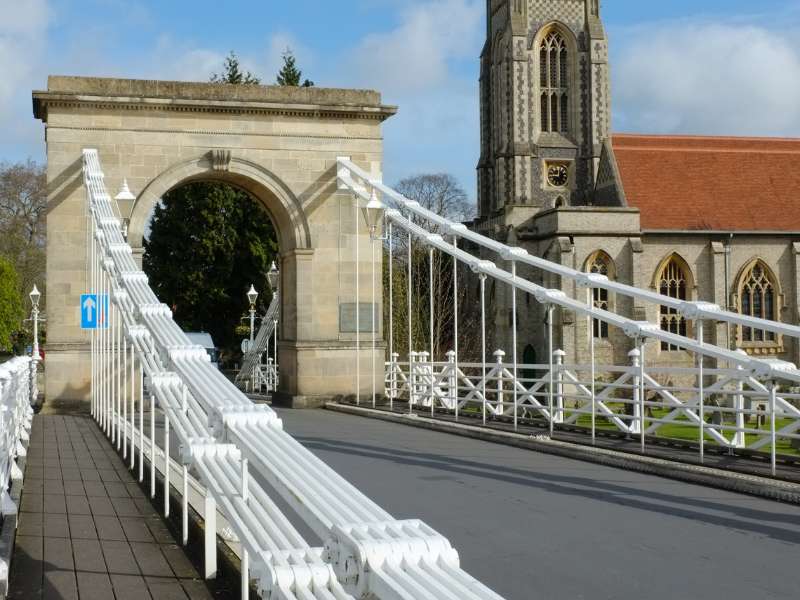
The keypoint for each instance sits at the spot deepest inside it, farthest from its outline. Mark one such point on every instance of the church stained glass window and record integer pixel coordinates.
(673, 281)
(757, 298)
(600, 263)
(554, 83)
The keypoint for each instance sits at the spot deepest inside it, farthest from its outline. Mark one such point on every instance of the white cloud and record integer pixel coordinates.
(415, 55)
(26, 19)
(179, 61)
(425, 65)
(705, 78)
(175, 59)
(23, 36)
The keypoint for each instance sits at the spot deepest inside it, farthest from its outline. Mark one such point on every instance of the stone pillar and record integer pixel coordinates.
(795, 351)
(637, 278)
(720, 330)
(68, 360)
(568, 342)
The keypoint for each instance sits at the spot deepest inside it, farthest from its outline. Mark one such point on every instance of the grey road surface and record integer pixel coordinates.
(538, 527)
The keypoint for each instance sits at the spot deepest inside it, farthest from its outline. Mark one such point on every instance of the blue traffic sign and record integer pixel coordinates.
(94, 311)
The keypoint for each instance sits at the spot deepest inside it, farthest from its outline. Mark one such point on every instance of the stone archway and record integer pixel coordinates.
(279, 144)
(276, 198)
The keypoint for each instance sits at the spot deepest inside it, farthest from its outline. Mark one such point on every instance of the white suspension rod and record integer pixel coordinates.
(704, 309)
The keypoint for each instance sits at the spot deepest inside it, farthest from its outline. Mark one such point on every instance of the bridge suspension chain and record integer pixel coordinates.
(432, 382)
(224, 437)
(359, 182)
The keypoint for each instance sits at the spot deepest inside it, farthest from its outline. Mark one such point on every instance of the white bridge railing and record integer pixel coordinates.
(16, 413)
(738, 412)
(256, 375)
(418, 225)
(232, 446)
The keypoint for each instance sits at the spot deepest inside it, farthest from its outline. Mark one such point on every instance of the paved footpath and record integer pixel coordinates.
(86, 529)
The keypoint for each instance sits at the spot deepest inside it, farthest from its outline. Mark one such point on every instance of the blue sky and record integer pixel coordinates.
(678, 66)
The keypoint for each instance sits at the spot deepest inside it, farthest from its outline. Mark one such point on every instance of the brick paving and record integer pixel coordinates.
(86, 529)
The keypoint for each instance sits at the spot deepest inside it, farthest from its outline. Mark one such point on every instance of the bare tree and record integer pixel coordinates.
(432, 274)
(440, 193)
(23, 213)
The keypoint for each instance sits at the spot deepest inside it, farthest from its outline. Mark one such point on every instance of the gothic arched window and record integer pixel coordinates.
(554, 83)
(529, 359)
(600, 263)
(758, 297)
(674, 280)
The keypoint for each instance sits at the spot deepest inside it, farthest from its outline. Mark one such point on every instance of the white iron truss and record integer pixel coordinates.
(739, 405)
(224, 438)
(500, 389)
(255, 375)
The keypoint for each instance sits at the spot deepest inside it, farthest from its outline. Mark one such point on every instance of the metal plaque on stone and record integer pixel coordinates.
(347, 317)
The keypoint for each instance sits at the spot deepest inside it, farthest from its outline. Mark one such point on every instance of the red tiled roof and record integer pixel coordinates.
(701, 183)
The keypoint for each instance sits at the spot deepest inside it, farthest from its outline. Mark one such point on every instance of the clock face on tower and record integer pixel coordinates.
(557, 175)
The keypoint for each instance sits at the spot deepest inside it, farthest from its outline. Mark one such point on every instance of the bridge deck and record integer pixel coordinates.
(86, 529)
(534, 526)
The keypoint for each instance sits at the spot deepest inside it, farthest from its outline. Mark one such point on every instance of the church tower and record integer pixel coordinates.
(545, 106)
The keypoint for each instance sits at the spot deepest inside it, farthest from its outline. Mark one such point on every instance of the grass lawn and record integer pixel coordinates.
(690, 432)
(675, 431)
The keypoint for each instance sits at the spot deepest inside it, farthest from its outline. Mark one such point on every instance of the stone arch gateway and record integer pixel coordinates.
(280, 144)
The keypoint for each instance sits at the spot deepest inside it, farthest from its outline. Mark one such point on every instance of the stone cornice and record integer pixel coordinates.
(129, 94)
(301, 136)
(42, 101)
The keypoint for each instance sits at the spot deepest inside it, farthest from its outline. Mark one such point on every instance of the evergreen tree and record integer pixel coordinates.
(290, 75)
(208, 242)
(11, 310)
(232, 73)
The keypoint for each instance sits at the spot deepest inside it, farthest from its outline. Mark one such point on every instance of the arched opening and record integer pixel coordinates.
(674, 279)
(758, 295)
(271, 200)
(283, 208)
(205, 244)
(554, 50)
(601, 263)
(529, 359)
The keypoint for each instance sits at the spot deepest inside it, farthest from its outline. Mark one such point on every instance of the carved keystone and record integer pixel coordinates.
(221, 160)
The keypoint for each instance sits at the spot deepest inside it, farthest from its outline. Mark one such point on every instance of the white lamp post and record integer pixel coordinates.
(373, 215)
(252, 296)
(273, 277)
(125, 195)
(35, 295)
(125, 192)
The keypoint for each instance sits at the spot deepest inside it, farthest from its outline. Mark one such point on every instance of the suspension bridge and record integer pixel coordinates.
(320, 505)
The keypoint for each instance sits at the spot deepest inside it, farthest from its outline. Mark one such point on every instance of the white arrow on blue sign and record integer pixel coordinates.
(94, 311)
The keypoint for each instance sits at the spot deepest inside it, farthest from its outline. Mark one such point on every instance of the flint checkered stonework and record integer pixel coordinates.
(566, 11)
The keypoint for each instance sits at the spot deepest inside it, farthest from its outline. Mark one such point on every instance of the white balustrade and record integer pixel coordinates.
(16, 415)
(738, 411)
(563, 396)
